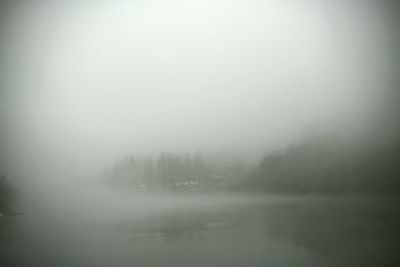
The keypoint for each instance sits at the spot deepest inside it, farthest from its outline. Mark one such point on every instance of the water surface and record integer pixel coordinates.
(209, 230)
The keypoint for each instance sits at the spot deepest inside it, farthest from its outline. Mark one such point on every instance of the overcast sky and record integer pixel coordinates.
(93, 81)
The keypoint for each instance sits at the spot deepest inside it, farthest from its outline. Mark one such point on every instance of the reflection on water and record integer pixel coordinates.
(296, 231)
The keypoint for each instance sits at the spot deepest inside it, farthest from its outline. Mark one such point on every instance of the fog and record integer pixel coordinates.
(94, 81)
(119, 114)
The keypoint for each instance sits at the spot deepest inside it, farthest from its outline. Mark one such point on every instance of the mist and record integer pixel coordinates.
(193, 107)
(97, 81)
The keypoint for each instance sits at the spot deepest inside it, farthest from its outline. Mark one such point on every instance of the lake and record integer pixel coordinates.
(206, 230)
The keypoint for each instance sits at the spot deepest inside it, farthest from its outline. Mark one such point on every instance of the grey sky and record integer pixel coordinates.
(97, 81)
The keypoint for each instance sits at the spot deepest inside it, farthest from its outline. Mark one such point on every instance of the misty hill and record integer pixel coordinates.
(327, 166)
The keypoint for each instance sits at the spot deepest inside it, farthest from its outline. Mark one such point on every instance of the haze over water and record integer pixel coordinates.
(199, 133)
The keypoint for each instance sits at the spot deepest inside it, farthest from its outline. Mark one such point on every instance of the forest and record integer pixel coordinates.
(322, 166)
(173, 172)
(328, 166)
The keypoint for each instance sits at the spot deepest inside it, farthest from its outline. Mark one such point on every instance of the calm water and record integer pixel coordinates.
(208, 231)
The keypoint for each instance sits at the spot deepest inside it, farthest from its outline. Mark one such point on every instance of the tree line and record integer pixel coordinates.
(170, 170)
(328, 166)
